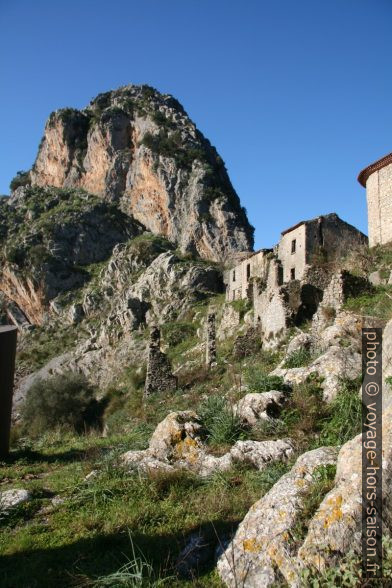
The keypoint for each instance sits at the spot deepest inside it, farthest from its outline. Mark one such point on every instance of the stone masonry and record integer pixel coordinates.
(159, 376)
(324, 238)
(211, 341)
(377, 178)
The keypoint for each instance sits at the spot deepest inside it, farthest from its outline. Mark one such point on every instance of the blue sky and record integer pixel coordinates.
(296, 96)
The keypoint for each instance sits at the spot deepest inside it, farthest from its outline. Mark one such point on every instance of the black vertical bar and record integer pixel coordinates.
(7, 368)
(371, 453)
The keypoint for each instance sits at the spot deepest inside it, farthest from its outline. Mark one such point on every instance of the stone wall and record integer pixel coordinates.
(342, 286)
(328, 237)
(293, 260)
(159, 376)
(239, 278)
(211, 341)
(379, 202)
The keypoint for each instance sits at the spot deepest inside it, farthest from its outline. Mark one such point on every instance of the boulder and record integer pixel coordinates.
(336, 527)
(300, 341)
(262, 547)
(257, 406)
(11, 498)
(335, 363)
(177, 443)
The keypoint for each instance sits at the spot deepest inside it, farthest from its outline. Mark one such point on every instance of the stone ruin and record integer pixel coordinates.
(211, 341)
(159, 376)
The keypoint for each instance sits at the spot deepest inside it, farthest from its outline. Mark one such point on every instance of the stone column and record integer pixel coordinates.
(211, 341)
(7, 369)
(159, 377)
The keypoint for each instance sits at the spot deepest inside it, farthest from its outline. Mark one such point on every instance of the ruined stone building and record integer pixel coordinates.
(300, 246)
(281, 282)
(377, 179)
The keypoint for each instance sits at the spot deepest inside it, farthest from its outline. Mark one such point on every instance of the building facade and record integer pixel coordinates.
(305, 244)
(377, 179)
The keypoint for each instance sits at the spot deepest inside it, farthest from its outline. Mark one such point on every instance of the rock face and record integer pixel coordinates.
(138, 147)
(48, 237)
(262, 543)
(257, 406)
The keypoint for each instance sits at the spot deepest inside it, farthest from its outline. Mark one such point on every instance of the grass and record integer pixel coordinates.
(259, 381)
(376, 304)
(348, 572)
(299, 358)
(344, 416)
(44, 343)
(323, 481)
(85, 540)
(222, 426)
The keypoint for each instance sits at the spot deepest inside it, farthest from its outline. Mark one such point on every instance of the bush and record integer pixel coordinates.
(222, 426)
(344, 418)
(259, 381)
(298, 358)
(176, 333)
(65, 399)
(22, 178)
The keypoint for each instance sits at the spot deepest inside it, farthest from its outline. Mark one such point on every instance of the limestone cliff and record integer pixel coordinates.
(137, 147)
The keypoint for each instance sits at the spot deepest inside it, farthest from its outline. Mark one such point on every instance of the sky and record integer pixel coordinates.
(295, 96)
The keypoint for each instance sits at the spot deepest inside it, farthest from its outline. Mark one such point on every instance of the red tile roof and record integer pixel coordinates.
(373, 167)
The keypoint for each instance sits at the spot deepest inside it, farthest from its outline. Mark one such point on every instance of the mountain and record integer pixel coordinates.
(138, 148)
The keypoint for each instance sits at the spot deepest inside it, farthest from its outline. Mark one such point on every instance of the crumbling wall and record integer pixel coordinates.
(211, 341)
(342, 285)
(238, 279)
(159, 376)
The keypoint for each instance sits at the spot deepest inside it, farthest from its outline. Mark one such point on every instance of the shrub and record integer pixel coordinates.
(344, 417)
(175, 333)
(222, 426)
(298, 358)
(259, 381)
(65, 399)
(303, 414)
(22, 178)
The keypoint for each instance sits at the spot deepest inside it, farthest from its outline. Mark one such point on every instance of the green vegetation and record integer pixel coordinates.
(103, 525)
(22, 178)
(171, 145)
(222, 426)
(348, 573)
(323, 481)
(63, 400)
(344, 415)
(376, 304)
(242, 306)
(43, 343)
(299, 358)
(259, 381)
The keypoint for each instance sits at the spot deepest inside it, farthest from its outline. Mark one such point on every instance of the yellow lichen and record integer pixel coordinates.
(251, 545)
(336, 514)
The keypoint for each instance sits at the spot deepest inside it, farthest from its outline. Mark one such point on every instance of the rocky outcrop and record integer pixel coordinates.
(49, 238)
(178, 443)
(332, 366)
(256, 406)
(263, 542)
(139, 148)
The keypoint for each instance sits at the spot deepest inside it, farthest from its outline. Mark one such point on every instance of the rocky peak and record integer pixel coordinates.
(139, 148)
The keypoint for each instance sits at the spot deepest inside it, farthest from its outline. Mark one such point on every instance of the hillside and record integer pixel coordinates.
(239, 463)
